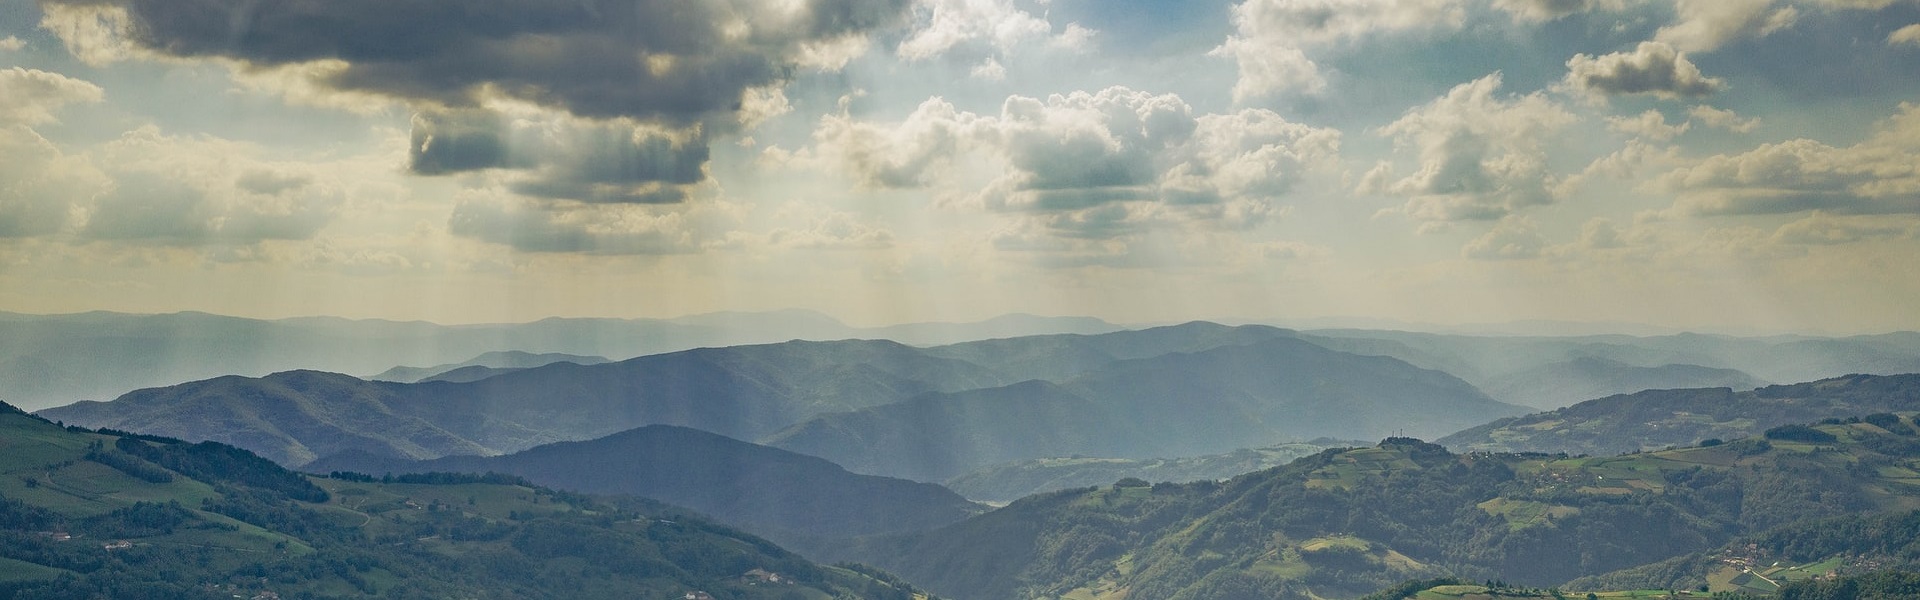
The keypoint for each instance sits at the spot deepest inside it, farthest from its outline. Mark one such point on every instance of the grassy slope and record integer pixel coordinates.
(1343, 523)
(368, 538)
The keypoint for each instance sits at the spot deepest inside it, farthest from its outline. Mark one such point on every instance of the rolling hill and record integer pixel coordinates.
(1007, 482)
(1656, 419)
(1345, 523)
(785, 496)
(1178, 404)
(86, 514)
(1560, 384)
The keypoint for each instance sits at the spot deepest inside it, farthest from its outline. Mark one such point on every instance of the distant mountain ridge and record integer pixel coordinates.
(1554, 385)
(742, 392)
(1656, 419)
(788, 497)
(493, 363)
(1175, 404)
(51, 360)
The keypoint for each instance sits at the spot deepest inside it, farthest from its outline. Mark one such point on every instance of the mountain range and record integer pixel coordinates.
(1655, 419)
(1245, 387)
(1176, 404)
(50, 360)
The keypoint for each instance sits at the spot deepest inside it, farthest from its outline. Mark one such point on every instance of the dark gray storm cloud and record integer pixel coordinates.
(606, 162)
(669, 61)
(663, 64)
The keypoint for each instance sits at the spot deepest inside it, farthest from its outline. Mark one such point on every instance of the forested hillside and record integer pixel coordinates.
(1656, 419)
(106, 515)
(1348, 522)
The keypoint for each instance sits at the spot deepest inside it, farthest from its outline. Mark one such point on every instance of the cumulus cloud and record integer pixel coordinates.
(1548, 10)
(1880, 175)
(560, 157)
(625, 95)
(11, 43)
(670, 62)
(1093, 165)
(1719, 118)
(1653, 68)
(1270, 36)
(39, 184)
(1705, 25)
(1909, 36)
(1650, 125)
(998, 25)
(177, 191)
(31, 96)
(1480, 156)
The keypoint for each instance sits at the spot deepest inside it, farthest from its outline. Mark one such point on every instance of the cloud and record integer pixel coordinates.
(1824, 229)
(1880, 175)
(1653, 68)
(1650, 125)
(1721, 119)
(669, 62)
(39, 185)
(493, 216)
(996, 24)
(1513, 238)
(1548, 10)
(909, 154)
(558, 157)
(597, 101)
(31, 96)
(1909, 35)
(1706, 25)
(1270, 36)
(1480, 156)
(180, 191)
(11, 43)
(1074, 156)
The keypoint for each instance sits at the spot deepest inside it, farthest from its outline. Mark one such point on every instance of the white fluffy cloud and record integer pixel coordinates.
(1877, 176)
(1091, 165)
(1653, 68)
(944, 25)
(1480, 156)
(171, 190)
(1704, 25)
(1271, 36)
(30, 96)
(1909, 35)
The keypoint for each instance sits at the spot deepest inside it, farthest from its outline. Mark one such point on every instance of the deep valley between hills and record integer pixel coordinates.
(1196, 461)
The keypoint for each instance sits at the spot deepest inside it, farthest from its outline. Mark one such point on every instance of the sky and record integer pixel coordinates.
(1746, 165)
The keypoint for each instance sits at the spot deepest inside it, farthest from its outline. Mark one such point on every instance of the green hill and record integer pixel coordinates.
(1345, 523)
(102, 515)
(1656, 419)
(1007, 482)
(789, 497)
